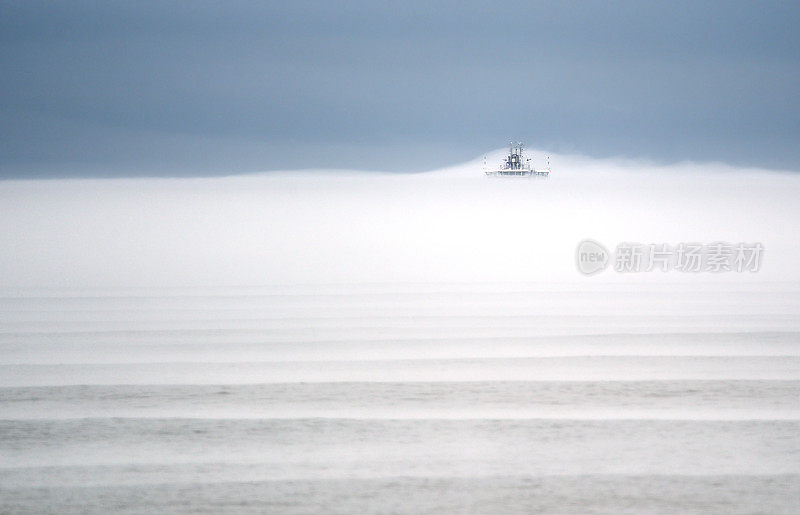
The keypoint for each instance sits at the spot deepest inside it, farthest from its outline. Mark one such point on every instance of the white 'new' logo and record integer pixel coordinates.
(591, 257)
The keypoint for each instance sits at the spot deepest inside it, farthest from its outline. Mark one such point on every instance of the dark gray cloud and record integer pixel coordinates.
(181, 88)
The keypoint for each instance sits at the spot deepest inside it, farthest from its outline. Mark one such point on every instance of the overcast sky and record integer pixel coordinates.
(205, 88)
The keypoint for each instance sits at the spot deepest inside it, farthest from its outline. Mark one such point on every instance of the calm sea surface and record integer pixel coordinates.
(401, 398)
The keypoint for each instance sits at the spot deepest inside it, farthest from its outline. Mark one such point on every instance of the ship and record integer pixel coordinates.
(516, 165)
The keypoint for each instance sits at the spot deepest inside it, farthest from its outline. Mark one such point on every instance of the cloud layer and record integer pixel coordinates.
(169, 88)
(323, 226)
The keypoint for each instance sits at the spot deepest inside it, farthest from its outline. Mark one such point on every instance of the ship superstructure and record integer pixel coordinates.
(516, 165)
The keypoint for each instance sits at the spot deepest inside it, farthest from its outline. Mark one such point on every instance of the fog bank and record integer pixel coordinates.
(339, 226)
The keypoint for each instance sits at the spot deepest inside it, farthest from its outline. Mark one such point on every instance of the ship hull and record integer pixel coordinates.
(518, 173)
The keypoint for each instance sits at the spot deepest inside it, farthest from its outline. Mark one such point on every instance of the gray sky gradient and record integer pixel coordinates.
(206, 88)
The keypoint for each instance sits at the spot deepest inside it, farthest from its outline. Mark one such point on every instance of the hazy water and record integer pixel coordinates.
(402, 398)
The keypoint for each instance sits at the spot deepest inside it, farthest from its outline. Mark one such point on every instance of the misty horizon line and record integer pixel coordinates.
(189, 172)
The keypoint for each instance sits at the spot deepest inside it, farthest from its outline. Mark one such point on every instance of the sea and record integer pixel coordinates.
(584, 397)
